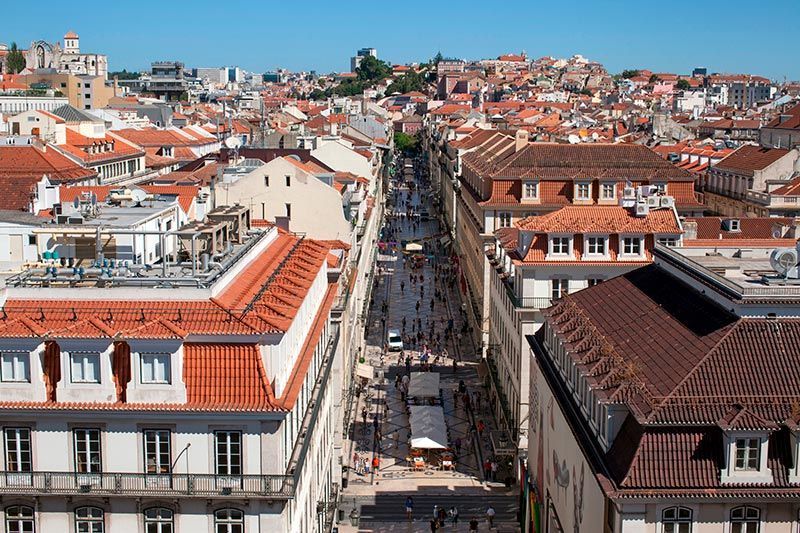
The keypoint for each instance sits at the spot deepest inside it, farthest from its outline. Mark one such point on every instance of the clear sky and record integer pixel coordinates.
(258, 35)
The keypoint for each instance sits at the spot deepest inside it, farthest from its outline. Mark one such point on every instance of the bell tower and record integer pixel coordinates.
(72, 43)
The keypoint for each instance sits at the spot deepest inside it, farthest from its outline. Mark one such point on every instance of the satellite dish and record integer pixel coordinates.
(138, 196)
(784, 261)
(233, 143)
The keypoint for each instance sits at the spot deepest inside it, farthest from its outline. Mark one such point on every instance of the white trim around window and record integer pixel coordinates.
(595, 247)
(607, 187)
(631, 246)
(559, 247)
(530, 190)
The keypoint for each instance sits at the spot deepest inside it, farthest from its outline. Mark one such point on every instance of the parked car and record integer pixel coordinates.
(394, 340)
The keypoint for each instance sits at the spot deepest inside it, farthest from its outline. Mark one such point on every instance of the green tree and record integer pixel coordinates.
(404, 142)
(683, 85)
(630, 73)
(373, 69)
(587, 92)
(15, 61)
(438, 57)
(406, 83)
(317, 94)
(124, 75)
(653, 78)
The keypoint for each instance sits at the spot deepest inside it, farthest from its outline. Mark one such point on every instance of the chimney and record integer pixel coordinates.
(520, 140)
(690, 229)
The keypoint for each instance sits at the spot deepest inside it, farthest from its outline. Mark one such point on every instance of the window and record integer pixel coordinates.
(157, 451)
(89, 520)
(504, 219)
(229, 521)
(582, 191)
(668, 241)
(608, 191)
(596, 245)
(155, 368)
(745, 519)
(18, 449)
(560, 287)
(158, 520)
(14, 367)
(632, 246)
(87, 451)
(85, 367)
(748, 454)
(228, 451)
(594, 281)
(677, 520)
(559, 245)
(530, 190)
(288, 181)
(19, 519)
(288, 210)
(266, 181)
(661, 188)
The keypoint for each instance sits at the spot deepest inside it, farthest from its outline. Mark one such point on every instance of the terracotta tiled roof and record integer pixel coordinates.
(748, 159)
(792, 122)
(185, 194)
(601, 219)
(749, 228)
(21, 167)
(790, 189)
(78, 144)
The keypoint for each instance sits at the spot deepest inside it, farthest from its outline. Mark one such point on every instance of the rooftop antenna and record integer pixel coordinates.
(234, 143)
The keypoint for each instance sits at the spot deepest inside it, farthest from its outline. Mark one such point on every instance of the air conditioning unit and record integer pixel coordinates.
(642, 210)
(667, 201)
(628, 192)
(653, 202)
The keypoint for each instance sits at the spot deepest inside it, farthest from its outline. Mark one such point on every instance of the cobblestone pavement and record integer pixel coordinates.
(395, 297)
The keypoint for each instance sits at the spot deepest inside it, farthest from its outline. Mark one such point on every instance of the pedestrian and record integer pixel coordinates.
(455, 398)
(402, 286)
(434, 525)
(364, 415)
(490, 516)
(481, 427)
(454, 515)
(375, 422)
(473, 524)
(376, 464)
(410, 508)
(435, 511)
(495, 466)
(487, 469)
(457, 444)
(442, 517)
(397, 381)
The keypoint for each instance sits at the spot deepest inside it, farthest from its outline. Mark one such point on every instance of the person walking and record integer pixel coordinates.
(442, 516)
(490, 516)
(457, 444)
(487, 470)
(473, 524)
(454, 515)
(494, 467)
(410, 508)
(376, 464)
(434, 525)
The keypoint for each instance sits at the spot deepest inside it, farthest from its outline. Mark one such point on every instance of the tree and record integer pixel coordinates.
(373, 69)
(653, 78)
(404, 142)
(124, 75)
(587, 92)
(317, 94)
(438, 57)
(683, 85)
(406, 83)
(630, 73)
(15, 61)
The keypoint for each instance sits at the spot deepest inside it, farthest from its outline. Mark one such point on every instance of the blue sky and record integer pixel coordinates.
(258, 35)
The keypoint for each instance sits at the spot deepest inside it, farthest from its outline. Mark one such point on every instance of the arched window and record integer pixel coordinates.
(19, 519)
(745, 519)
(677, 520)
(89, 520)
(229, 521)
(158, 520)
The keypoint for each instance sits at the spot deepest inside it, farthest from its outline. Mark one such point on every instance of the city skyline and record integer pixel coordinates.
(664, 44)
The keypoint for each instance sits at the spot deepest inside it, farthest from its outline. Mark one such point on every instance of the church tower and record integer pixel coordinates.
(72, 43)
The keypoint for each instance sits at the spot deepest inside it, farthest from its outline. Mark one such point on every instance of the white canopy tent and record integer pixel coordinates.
(413, 247)
(424, 385)
(428, 430)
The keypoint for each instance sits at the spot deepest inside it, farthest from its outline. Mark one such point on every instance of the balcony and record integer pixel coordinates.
(279, 487)
(529, 302)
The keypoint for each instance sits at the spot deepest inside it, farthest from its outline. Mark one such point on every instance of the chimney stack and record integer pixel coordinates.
(520, 140)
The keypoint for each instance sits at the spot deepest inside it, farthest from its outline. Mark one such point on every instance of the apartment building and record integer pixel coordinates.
(542, 259)
(192, 396)
(663, 400)
(503, 182)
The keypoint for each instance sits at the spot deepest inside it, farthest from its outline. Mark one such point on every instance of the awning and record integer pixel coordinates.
(364, 370)
(424, 385)
(428, 430)
(413, 247)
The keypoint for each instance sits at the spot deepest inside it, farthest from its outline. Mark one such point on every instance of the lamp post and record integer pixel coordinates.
(172, 466)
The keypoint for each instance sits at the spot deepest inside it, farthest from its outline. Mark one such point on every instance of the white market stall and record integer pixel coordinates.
(413, 247)
(424, 385)
(428, 429)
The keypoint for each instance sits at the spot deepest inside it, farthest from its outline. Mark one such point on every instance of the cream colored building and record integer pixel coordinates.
(286, 189)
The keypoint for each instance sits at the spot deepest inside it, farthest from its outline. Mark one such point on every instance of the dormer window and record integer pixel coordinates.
(583, 191)
(748, 451)
(608, 191)
(632, 246)
(15, 367)
(559, 245)
(155, 368)
(530, 190)
(85, 367)
(596, 246)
